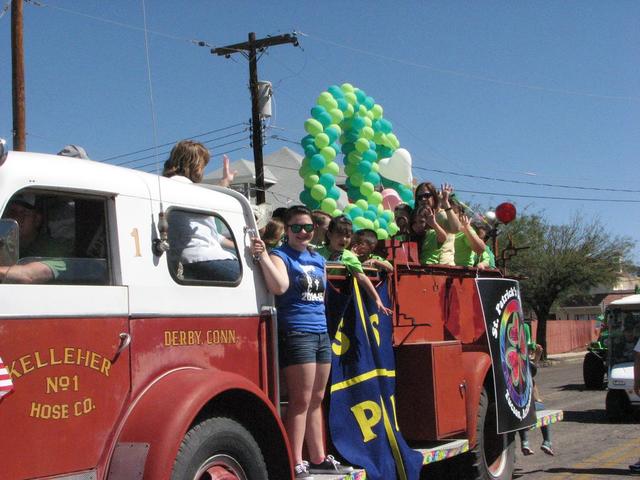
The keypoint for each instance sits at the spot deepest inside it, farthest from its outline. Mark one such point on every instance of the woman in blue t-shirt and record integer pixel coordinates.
(297, 277)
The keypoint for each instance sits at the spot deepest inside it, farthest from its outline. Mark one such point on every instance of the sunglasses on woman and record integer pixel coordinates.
(298, 227)
(424, 196)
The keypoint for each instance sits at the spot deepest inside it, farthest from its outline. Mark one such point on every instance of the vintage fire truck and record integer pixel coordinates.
(126, 368)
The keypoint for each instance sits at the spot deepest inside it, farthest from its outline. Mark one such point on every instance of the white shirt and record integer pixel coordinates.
(194, 236)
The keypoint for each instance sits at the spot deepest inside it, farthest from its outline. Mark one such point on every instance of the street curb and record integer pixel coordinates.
(566, 357)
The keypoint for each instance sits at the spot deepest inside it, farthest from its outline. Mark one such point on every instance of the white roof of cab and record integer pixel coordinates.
(53, 171)
(630, 300)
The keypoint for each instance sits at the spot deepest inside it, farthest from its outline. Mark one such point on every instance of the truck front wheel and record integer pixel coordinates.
(593, 371)
(493, 457)
(219, 448)
(617, 405)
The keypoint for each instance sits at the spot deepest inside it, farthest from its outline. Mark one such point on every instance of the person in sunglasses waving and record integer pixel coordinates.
(296, 275)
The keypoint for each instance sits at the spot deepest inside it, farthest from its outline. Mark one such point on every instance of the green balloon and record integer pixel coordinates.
(391, 138)
(375, 198)
(362, 145)
(354, 157)
(366, 189)
(351, 98)
(382, 234)
(328, 205)
(336, 213)
(359, 223)
(375, 167)
(328, 153)
(368, 224)
(349, 169)
(318, 192)
(311, 180)
(356, 179)
(332, 167)
(362, 204)
(336, 115)
(313, 126)
(327, 101)
(305, 169)
(377, 111)
(322, 140)
(393, 228)
(347, 88)
(367, 132)
(348, 112)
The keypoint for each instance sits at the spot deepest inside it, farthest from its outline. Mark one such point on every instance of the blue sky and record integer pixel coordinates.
(536, 92)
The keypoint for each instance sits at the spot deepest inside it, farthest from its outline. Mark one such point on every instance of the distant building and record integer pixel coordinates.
(592, 304)
(282, 182)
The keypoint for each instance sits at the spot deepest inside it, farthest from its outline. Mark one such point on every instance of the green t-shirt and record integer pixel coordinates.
(430, 253)
(487, 257)
(464, 255)
(346, 257)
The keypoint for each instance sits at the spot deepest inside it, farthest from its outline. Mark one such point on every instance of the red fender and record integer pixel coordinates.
(475, 366)
(164, 411)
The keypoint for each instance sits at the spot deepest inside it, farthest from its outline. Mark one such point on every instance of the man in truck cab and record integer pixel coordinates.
(26, 210)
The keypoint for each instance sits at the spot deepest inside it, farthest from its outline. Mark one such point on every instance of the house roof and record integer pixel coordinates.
(246, 173)
(282, 181)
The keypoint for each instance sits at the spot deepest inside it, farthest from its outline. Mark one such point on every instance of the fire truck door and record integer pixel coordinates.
(70, 373)
(64, 339)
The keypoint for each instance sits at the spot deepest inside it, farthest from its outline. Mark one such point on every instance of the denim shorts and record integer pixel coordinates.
(295, 348)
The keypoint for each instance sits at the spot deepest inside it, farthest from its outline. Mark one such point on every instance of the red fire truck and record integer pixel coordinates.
(124, 367)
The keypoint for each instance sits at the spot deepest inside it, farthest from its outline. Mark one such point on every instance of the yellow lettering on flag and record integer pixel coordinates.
(367, 422)
(363, 377)
(341, 342)
(393, 442)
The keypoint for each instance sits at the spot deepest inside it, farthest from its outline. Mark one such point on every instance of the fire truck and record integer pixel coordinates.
(124, 367)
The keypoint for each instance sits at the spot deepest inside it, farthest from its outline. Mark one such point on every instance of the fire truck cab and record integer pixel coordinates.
(123, 365)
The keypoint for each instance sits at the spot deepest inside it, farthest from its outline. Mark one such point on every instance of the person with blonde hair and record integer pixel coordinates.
(196, 244)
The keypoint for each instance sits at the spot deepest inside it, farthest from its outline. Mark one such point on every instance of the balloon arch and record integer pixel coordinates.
(346, 120)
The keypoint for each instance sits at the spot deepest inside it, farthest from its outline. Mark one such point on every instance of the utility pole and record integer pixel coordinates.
(250, 50)
(17, 69)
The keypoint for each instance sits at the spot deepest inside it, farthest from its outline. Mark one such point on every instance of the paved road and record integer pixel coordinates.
(587, 446)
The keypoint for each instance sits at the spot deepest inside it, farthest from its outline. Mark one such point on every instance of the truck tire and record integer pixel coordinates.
(494, 456)
(593, 371)
(219, 448)
(618, 406)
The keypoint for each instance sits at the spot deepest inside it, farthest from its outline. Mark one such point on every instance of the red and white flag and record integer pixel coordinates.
(6, 385)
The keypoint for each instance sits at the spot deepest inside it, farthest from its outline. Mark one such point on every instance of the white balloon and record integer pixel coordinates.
(398, 167)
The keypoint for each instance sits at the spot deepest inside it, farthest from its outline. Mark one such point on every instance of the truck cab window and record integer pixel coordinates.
(62, 239)
(202, 249)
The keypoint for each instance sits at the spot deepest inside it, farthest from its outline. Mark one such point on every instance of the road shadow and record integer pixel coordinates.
(596, 416)
(573, 387)
(604, 472)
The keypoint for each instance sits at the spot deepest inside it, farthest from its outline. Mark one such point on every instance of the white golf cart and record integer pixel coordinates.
(623, 318)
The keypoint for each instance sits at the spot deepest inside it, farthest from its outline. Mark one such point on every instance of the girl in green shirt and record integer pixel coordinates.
(336, 248)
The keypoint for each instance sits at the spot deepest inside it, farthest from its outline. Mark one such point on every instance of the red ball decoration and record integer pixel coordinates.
(506, 212)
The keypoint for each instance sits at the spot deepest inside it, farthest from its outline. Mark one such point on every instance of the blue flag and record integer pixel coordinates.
(362, 416)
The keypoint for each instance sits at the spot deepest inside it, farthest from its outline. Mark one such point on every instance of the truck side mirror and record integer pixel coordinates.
(9, 243)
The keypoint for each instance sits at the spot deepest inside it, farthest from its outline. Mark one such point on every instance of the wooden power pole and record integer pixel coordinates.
(17, 69)
(250, 50)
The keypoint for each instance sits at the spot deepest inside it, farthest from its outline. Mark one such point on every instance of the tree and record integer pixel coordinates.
(562, 260)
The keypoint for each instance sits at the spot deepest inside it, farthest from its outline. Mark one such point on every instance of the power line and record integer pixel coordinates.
(617, 200)
(37, 3)
(522, 182)
(173, 142)
(169, 151)
(152, 164)
(128, 162)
